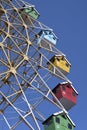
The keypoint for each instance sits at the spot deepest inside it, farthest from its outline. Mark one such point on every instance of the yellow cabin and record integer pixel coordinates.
(61, 63)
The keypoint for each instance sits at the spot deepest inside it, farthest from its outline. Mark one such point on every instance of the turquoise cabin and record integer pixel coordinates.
(46, 36)
(58, 121)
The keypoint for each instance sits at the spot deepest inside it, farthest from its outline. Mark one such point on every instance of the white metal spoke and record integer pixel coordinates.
(6, 121)
(7, 72)
(6, 56)
(27, 103)
(17, 111)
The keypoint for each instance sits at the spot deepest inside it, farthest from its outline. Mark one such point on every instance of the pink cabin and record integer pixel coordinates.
(66, 94)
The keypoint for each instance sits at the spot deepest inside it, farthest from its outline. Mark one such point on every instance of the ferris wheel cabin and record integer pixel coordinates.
(31, 11)
(66, 94)
(61, 63)
(58, 121)
(46, 36)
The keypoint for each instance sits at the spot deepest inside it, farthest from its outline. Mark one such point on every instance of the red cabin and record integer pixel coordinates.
(66, 94)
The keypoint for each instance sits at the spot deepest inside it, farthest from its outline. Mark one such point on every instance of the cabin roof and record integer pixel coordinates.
(50, 31)
(66, 83)
(71, 86)
(28, 6)
(64, 58)
(60, 56)
(60, 113)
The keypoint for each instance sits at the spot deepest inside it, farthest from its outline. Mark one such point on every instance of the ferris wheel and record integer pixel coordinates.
(29, 64)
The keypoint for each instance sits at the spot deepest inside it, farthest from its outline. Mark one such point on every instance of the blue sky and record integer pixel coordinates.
(68, 19)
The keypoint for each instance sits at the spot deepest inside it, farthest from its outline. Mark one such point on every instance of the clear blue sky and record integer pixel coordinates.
(68, 19)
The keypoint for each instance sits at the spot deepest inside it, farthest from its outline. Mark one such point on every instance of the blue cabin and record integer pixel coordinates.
(46, 36)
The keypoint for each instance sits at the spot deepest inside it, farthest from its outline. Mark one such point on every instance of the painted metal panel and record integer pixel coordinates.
(66, 95)
(61, 63)
(32, 12)
(59, 122)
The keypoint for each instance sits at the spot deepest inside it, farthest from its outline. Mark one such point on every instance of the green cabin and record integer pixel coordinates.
(31, 11)
(58, 121)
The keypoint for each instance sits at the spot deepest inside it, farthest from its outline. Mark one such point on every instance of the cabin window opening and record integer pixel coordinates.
(74, 94)
(54, 38)
(67, 64)
(31, 9)
(40, 33)
(46, 32)
(62, 58)
(57, 90)
(50, 32)
(69, 126)
(35, 13)
(68, 86)
(58, 120)
(49, 122)
(54, 91)
(58, 59)
(52, 60)
(64, 116)
(63, 87)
